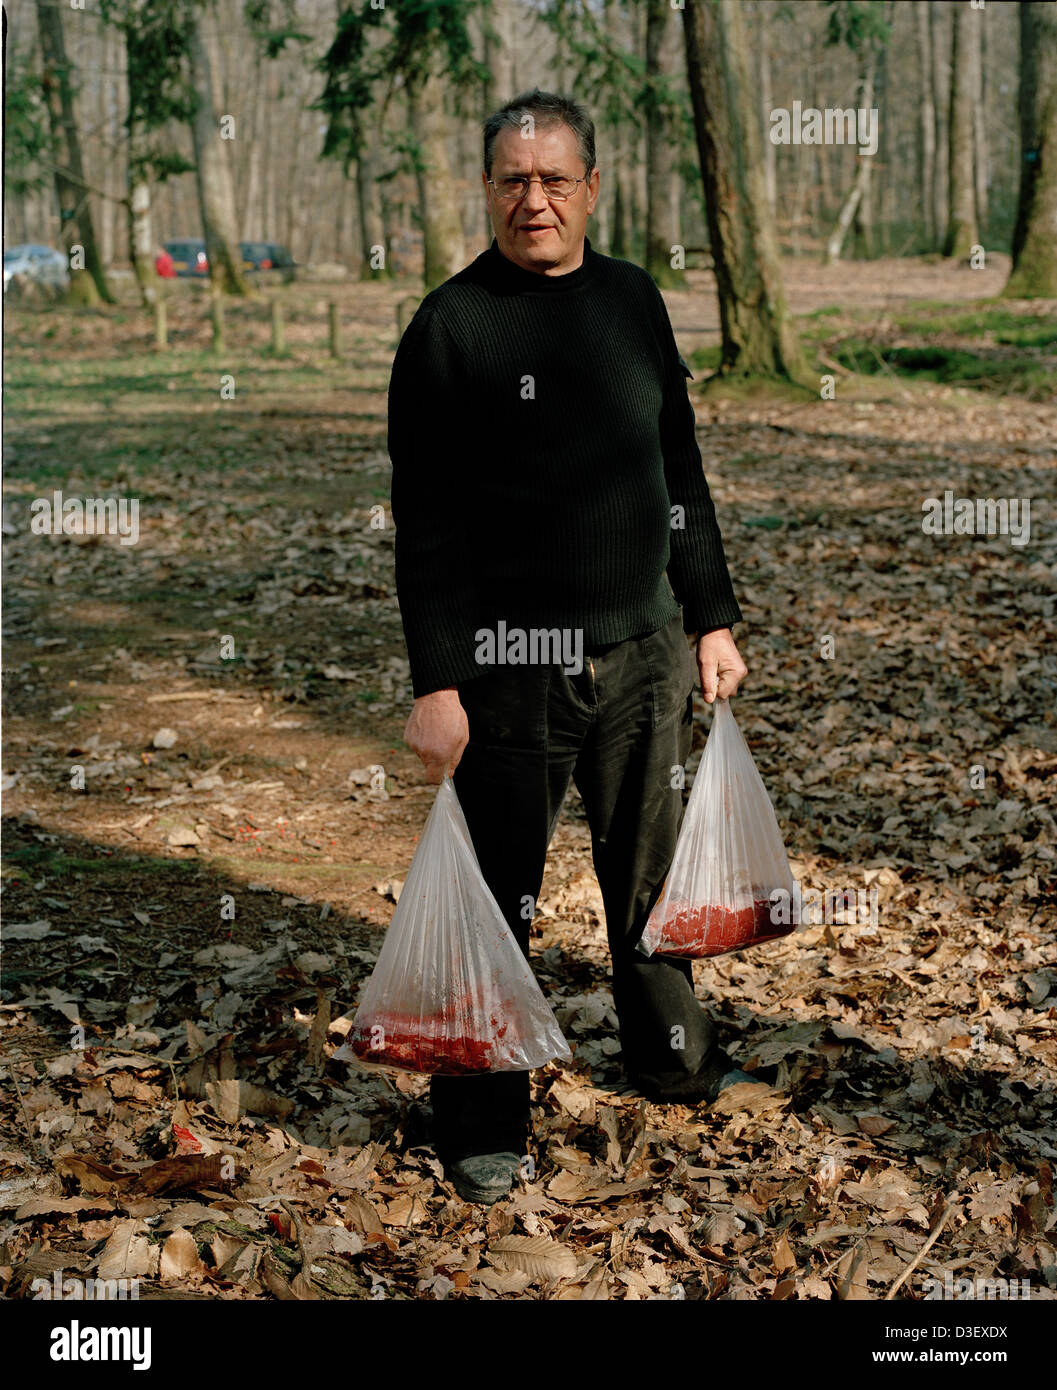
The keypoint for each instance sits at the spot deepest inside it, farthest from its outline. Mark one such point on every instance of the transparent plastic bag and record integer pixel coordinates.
(452, 992)
(730, 885)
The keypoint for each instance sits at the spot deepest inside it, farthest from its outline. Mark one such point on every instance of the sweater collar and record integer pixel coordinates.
(516, 278)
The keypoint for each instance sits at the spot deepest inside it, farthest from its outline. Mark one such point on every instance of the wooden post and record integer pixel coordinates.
(216, 314)
(335, 330)
(278, 335)
(161, 326)
(405, 312)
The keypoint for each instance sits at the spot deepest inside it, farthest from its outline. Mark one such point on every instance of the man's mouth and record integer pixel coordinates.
(532, 227)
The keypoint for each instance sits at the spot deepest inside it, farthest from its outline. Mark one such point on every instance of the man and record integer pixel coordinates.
(164, 267)
(551, 516)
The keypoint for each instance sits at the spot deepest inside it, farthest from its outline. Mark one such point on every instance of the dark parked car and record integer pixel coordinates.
(268, 255)
(188, 256)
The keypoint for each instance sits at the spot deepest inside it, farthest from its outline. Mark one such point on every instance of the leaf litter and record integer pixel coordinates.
(178, 1104)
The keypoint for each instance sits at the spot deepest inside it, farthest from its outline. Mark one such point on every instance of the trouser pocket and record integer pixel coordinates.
(673, 670)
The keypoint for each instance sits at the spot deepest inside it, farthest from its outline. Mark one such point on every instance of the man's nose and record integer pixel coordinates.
(534, 198)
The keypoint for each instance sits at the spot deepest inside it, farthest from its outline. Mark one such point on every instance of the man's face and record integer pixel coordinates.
(535, 233)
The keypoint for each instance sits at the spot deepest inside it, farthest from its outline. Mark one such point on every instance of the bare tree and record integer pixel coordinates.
(139, 202)
(660, 146)
(864, 165)
(216, 195)
(369, 208)
(926, 132)
(1034, 273)
(500, 55)
(758, 338)
(770, 150)
(962, 230)
(939, 43)
(87, 281)
(443, 245)
(623, 148)
(977, 22)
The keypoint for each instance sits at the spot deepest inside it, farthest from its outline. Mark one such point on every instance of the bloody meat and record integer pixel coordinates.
(434, 1044)
(714, 930)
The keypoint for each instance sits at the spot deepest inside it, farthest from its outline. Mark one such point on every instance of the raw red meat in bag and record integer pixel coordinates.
(730, 885)
(452, 992)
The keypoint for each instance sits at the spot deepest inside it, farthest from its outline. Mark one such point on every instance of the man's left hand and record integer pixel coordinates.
(719, 665)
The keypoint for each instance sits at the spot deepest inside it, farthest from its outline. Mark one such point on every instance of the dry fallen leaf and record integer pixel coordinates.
(53, 1206)
(184, 1173)
(875, 1124)
(538, 1256)
(128, 1253)
(782, 1255)
(851, 1273)
(501, 1280)
(180, 1259)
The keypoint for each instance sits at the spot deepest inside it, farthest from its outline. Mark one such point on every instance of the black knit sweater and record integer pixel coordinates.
(541, 435)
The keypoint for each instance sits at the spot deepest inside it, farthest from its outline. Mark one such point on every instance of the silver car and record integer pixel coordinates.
(39, 264)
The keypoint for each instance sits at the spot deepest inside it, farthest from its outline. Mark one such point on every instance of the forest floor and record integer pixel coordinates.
(172, 1110)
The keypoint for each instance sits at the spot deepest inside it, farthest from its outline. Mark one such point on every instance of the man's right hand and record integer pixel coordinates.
(438, 731)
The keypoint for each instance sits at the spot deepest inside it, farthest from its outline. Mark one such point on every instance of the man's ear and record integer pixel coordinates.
(592, 189)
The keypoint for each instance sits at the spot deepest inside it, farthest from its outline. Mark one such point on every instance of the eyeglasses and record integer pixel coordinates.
(556, 187)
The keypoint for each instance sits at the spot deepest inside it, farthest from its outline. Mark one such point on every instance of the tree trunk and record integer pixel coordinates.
(623, 149)
(298, 197)
(138, 203)
(216, 195)
(770, 150)
(977, 19)
(140, 236)
(499, 54)
(926, 132)
(864, 222)
(252, 226)
(859, 187)
(940, 88)
(1035, 235)
(369, 211)
(962, 233)
(797, 197)
(811, 46)
(618, 244)
(87, 285)
(346, 233)
(637, 206)
(443, 245)
(660, 145)
(104, 124)
(499, 25)
(268, 175)
(234, 61)
(560, 47)
(758, 338)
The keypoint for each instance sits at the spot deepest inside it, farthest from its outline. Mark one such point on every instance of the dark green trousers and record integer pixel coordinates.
(620, 729)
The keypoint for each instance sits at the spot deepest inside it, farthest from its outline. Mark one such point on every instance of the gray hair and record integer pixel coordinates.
(549, 110)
